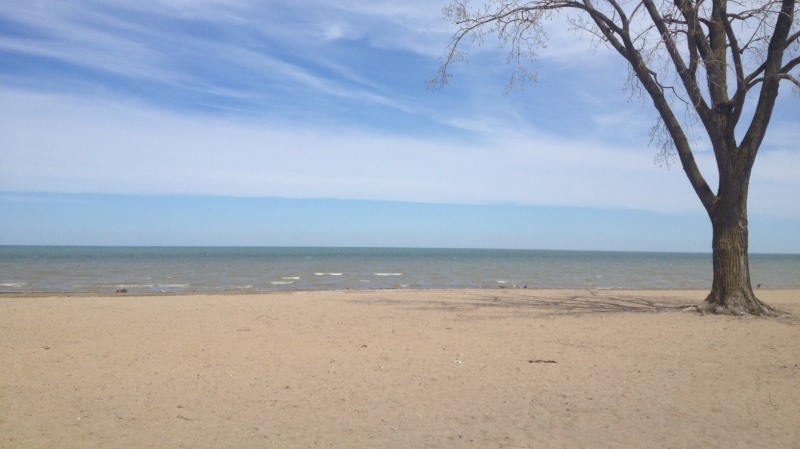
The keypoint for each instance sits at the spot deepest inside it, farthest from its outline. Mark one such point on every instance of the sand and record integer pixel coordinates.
(380, 369)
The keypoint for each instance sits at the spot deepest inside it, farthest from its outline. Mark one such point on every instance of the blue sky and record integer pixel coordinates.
(242, 122)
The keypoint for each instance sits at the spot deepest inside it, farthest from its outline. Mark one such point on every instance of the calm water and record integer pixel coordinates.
(215, 269)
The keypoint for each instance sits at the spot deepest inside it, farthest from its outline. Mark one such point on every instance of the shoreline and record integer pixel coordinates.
(48, 294)
(397, 368)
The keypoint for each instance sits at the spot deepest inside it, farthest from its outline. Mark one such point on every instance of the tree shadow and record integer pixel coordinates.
(566, 303)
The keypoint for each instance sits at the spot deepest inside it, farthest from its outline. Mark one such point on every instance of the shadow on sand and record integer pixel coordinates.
(568, 303)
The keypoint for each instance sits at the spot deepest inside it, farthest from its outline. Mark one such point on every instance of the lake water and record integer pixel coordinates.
(217, 269)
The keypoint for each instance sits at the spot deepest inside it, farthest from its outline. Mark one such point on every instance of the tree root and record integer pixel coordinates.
(735, 307)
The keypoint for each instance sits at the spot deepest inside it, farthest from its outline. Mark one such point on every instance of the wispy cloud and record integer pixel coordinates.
(96, 147)
(320, 99)
(190, 46)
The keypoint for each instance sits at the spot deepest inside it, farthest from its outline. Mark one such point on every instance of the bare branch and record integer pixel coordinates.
(790, 65)
(659, 135)
(769, 89)
(791, 79)
(677, 51)
(687, 74)
(794, 37)
(741, 87)
(670, 45)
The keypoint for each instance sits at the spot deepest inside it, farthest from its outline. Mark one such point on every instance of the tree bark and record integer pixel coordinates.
(731, 291)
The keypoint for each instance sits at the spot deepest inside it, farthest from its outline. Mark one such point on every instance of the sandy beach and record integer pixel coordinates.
(467, 368)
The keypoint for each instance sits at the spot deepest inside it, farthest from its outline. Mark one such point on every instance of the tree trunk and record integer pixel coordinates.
(731, 291)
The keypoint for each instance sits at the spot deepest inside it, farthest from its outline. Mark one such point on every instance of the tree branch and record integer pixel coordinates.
(792, 38)
(769, 89)
(790, 65)
(683, 38)
(622, 16)
(686, 74)
(791, 79)
(696, 179)
(741, 86)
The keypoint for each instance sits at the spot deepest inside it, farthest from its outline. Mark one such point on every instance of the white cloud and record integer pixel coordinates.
(141, 51)
(61, 144)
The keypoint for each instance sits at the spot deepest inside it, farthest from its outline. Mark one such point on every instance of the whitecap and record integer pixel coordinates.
(173, 285)
(502, 282)
(281, 282)
(388, 274)
(291, 277)
(328, 274)
(14, 284)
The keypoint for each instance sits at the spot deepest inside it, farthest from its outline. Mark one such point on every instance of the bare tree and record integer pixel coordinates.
(712, 59)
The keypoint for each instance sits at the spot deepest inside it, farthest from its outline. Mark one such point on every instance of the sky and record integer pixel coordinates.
(309, 123)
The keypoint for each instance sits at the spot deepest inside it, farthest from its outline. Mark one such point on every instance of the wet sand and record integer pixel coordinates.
(466, 368)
